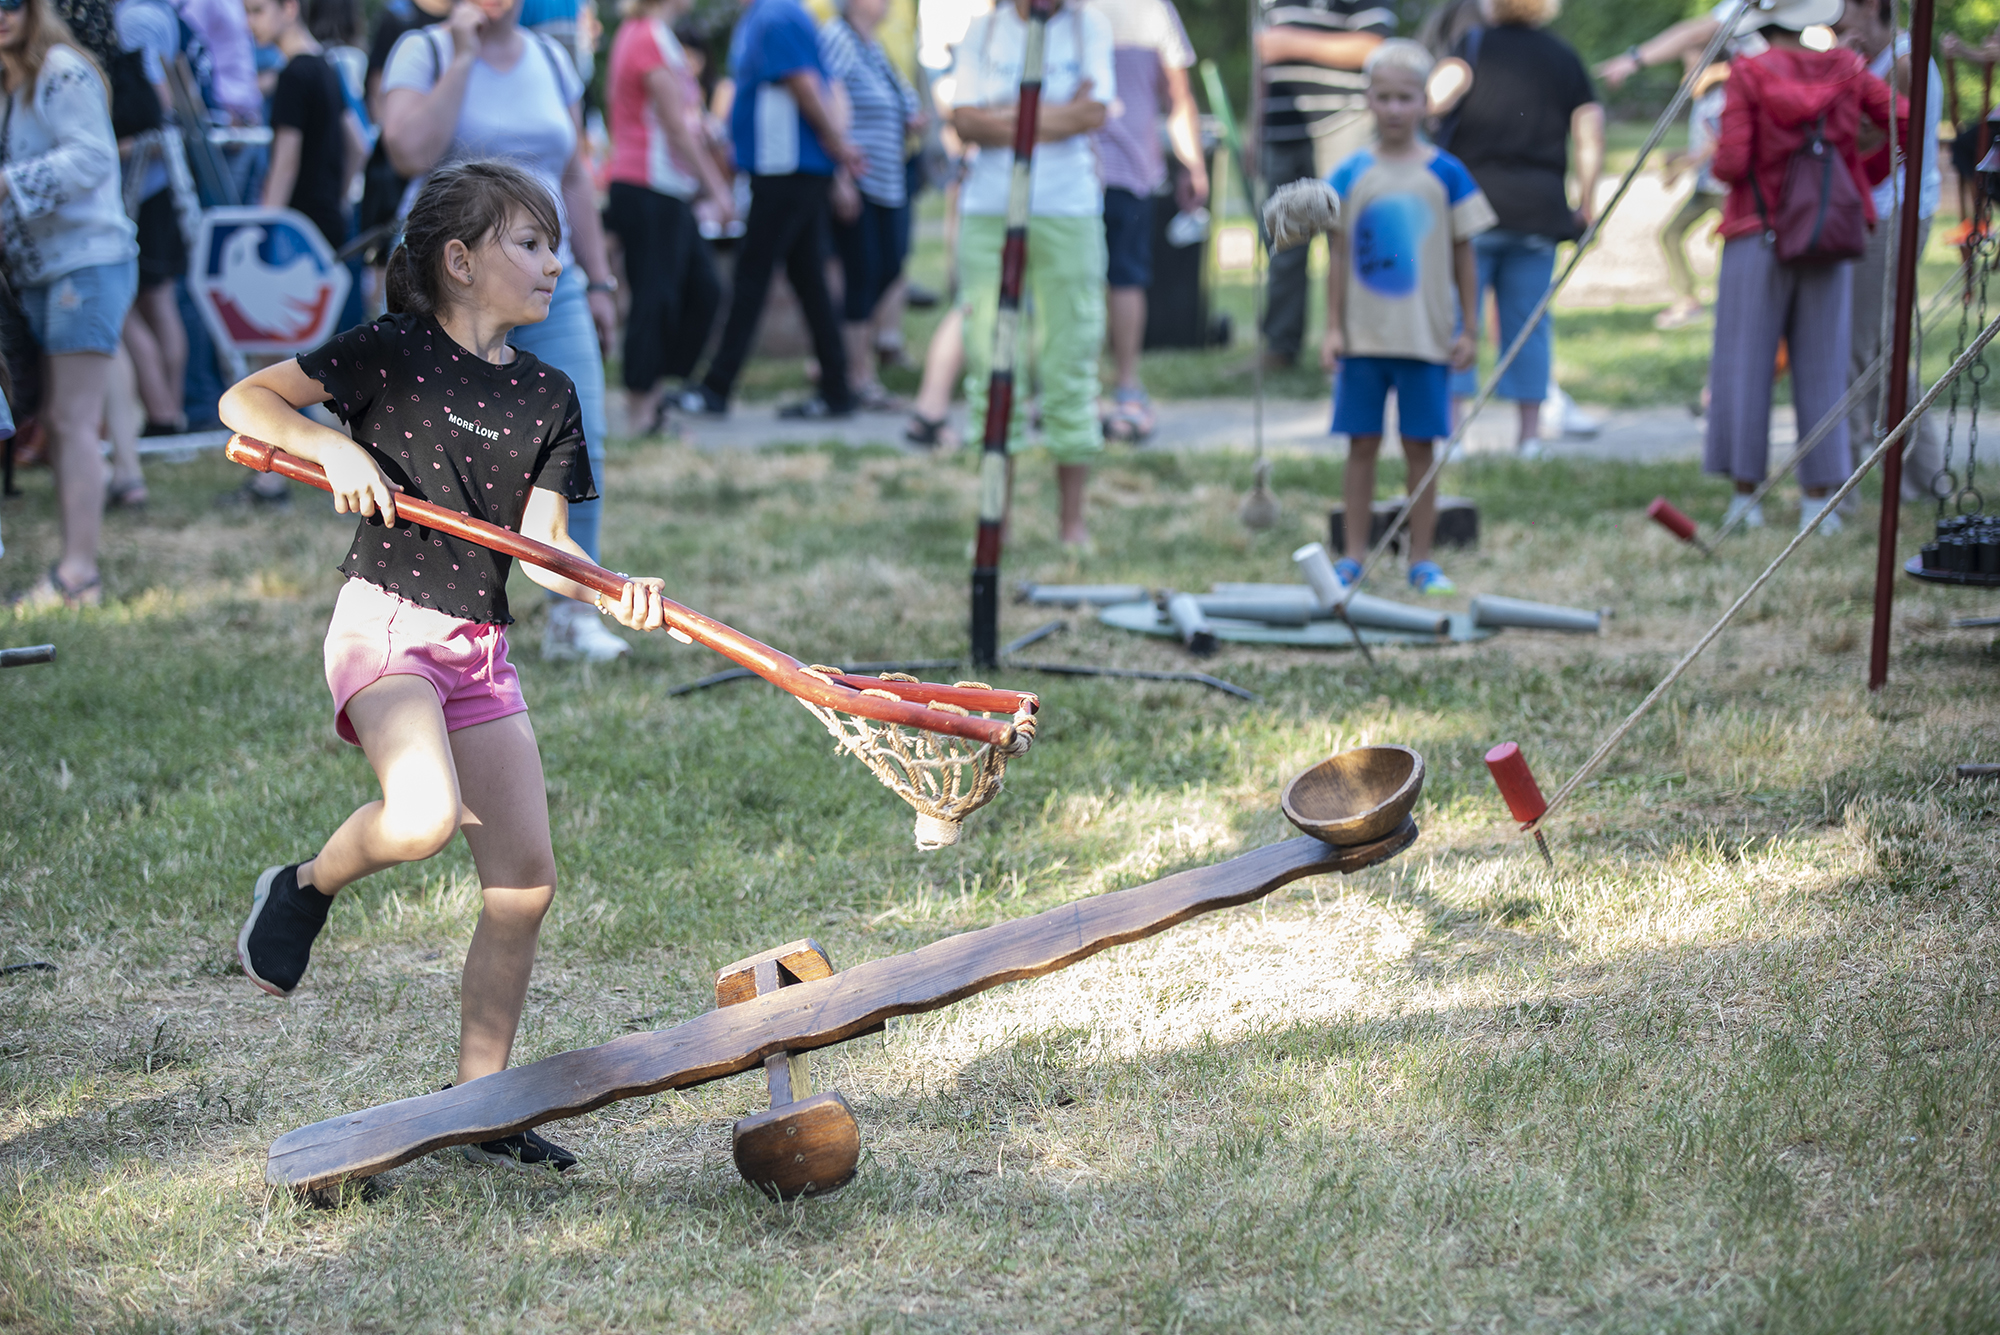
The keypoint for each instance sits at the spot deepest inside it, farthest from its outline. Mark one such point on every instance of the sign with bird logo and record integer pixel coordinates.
(266, 280)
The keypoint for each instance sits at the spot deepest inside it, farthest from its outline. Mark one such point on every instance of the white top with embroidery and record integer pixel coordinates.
(64, 209)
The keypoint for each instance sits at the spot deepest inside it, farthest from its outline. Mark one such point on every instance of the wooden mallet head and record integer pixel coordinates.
(1664, 513)
(1517, 785)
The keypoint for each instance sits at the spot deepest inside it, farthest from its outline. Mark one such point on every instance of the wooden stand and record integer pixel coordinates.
(807, 1142)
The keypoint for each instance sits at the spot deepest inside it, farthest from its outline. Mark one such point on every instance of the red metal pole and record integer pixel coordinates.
(1006, 342)
(1898, 370)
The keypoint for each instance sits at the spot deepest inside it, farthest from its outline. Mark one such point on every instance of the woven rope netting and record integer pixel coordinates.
(944, 778)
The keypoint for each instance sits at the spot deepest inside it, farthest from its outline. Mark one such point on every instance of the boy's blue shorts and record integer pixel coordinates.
(1423, 396)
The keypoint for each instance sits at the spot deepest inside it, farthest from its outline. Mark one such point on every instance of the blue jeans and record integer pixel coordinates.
(1517, 267)
(567, 340)
(82, 311)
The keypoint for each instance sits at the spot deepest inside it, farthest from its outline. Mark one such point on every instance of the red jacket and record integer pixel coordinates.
(1773, 101)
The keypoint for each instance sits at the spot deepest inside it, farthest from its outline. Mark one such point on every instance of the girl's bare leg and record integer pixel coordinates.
(507, 827)
(401, 727)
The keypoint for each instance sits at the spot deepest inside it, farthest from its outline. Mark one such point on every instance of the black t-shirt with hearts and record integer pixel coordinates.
(455, 430)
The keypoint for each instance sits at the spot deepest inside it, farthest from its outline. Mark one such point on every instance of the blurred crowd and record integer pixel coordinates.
(696, 154)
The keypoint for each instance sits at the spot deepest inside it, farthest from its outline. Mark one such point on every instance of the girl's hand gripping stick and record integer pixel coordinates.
(1518, 787)
(1663, 513)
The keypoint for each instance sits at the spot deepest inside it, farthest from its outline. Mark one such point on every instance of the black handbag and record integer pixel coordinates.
(135, 106)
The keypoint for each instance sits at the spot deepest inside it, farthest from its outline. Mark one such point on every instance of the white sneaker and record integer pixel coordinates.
(1569, 420)
(1739, 506)
(1529, 449)
(1810, 506)
(576, 633)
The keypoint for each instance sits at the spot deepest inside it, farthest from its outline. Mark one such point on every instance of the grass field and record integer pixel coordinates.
(1730, 1066)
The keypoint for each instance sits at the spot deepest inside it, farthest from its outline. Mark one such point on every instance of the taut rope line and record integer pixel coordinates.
(1965, 359)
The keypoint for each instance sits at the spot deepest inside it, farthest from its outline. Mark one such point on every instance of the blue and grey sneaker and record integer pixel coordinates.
(523, 1149)
(1349, 571)
(276, 941)
(1425, 577)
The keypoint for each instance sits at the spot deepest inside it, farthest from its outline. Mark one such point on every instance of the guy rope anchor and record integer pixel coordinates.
(775, 1008)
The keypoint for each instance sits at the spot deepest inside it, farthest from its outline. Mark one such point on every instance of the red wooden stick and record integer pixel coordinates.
(1006, 336)
(1663, 513)
(909, 706)
(1517, 785)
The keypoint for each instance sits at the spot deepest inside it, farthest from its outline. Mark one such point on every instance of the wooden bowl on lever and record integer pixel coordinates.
(1356, 797)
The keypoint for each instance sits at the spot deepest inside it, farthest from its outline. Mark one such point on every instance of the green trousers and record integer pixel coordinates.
(1062, 322)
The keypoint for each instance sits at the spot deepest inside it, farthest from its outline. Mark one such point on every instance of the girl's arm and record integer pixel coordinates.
(265, 404)
(283, 173)
(84, 156)
(547, 520)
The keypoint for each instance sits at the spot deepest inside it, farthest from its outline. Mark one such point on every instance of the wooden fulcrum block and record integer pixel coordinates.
(807, 1144)
(1458, 523)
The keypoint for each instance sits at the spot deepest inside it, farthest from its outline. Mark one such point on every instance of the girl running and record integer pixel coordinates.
(443, 409)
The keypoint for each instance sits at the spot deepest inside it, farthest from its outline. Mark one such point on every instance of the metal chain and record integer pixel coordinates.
(1984, 249)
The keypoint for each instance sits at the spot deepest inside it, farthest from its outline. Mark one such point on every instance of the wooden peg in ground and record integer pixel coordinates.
(806, 1143)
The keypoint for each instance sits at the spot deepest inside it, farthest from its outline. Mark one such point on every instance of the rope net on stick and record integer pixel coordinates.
(944, 778)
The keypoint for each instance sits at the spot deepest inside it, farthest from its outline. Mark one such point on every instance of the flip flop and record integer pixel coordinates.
(50, 593)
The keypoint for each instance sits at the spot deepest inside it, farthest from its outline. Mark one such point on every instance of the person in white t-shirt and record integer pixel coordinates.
(1065, 274)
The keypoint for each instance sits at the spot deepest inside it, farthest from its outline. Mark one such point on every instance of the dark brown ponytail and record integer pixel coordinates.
(468, 202)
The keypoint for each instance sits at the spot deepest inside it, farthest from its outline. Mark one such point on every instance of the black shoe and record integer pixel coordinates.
(275, 944)
(523, 1149)
(250, 496)
(701, 401)
(815, 410)
(918, 297)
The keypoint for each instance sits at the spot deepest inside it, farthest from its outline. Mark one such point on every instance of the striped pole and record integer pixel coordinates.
(1006, 338)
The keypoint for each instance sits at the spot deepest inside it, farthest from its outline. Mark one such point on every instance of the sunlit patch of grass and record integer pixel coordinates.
(1729, 1064)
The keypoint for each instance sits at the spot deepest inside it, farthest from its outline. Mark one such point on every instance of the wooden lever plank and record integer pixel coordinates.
(795, 1019)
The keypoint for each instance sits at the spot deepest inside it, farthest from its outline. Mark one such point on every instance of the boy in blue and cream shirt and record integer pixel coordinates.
(1401, 299)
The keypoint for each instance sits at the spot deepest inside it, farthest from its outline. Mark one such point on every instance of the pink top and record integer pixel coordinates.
(640, 154)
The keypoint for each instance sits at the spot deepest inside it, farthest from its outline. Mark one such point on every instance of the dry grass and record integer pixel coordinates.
(1730, 1066)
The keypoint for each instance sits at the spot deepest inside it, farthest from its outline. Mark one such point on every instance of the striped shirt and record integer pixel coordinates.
(1147, 40)
(883, 104)
(1300, 95)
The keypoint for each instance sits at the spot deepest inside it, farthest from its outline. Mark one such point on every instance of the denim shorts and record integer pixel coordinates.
(1423, 398)
(84, 310)
(1128, 238)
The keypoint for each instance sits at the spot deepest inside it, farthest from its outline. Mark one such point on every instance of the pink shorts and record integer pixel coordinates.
(375, 634)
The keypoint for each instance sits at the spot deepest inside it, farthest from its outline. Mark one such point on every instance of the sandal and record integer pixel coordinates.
(50, 593)
(1131, 417)
(127, 495)
(875, 397)
(925, 433)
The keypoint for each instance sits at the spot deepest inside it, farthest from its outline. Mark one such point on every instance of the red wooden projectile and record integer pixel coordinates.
(1664, 513)
(1517, 785)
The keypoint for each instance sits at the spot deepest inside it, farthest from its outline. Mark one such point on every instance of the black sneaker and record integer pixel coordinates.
(701, 401)
(276, 941)
(815, 410)
(524, 1150)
